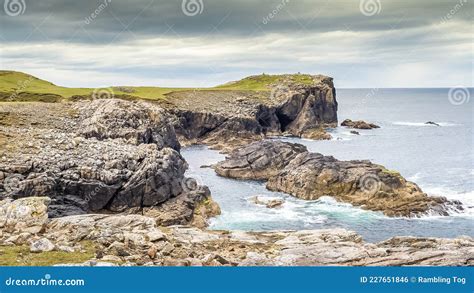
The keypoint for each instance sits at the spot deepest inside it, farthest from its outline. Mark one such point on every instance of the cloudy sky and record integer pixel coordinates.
(368, 43)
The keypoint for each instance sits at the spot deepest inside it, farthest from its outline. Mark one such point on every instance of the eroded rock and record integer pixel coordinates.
(359, 124)
(291, 169)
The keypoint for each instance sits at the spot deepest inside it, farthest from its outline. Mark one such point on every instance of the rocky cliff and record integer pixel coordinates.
(224, 119)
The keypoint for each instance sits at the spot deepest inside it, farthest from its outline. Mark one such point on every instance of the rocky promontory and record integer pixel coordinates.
(290, 168)
(225, 119)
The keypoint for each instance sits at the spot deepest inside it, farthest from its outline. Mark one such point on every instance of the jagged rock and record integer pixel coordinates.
(355, 132)
(259, 160)
(225, 119)
(269, 203)
(432, 123)
(23, 215)
(359, 124)
(91, 156)
(361, 183)
(291, 169)
(41, 245)
(137, 121)
(195, 206)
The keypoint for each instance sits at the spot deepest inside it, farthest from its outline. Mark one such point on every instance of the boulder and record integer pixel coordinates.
(136, 121)
(359, 124)
(24, 215)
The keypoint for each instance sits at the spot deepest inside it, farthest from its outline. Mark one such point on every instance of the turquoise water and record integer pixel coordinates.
(439, 159)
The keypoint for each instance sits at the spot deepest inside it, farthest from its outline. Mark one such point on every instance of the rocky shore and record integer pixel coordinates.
(137, 240)
(102, 182)
(290, 168)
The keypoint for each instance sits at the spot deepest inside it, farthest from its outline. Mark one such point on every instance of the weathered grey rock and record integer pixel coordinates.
(259, 160)
(23, 215)
(96, 155)
(359, 124)
(137, 121)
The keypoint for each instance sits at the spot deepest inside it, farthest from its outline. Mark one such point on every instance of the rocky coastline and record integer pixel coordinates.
(102, 182)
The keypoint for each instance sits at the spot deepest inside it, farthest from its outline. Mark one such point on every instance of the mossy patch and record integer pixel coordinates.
(21, 256)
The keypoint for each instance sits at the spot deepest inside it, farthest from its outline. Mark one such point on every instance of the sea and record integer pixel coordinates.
(440, 159)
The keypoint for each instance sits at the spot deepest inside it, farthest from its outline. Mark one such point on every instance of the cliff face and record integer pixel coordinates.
(224, 119)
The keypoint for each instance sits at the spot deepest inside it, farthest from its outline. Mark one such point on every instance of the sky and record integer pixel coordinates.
(198, 43)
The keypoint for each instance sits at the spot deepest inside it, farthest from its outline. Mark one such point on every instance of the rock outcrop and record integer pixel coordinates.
(359, 124)
(137, 240)
(97, 155)
(225, 119)
(259, 160)
(291, 169)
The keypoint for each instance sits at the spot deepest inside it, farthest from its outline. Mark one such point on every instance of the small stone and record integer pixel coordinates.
(156, 235)
(152, 251)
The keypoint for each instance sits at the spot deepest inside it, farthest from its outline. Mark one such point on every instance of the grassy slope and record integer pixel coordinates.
(31, 88)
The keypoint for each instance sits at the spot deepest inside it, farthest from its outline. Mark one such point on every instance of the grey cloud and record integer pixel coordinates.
(124, 20)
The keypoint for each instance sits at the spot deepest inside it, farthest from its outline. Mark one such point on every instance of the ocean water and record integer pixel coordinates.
(440, 159)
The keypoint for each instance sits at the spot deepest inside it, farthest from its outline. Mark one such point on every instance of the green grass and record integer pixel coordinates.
(18, 86)
(262, 82)
(21, 256)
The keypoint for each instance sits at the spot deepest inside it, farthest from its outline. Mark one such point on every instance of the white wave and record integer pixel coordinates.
(466, 198)
(423, 124)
